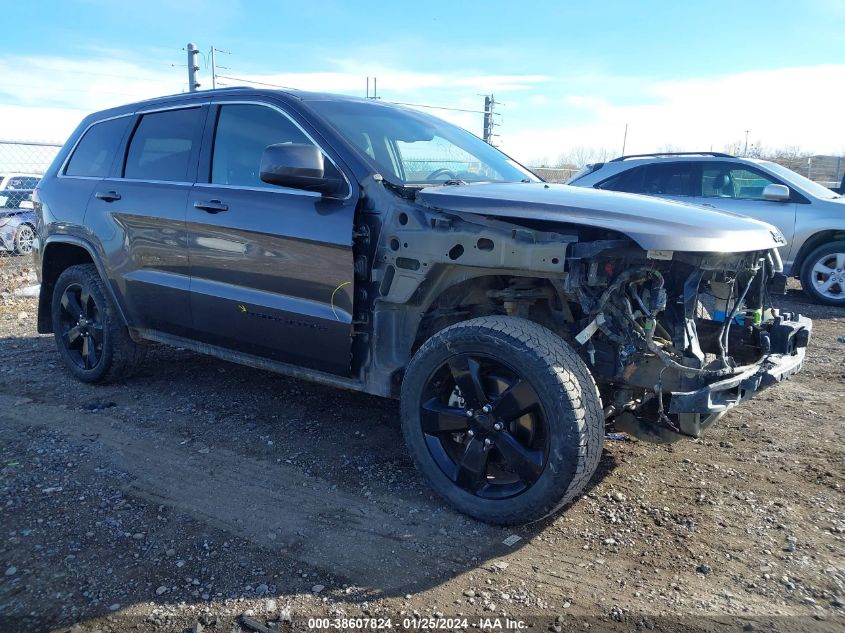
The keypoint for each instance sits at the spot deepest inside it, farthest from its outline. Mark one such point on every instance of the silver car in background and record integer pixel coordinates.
(810, 216)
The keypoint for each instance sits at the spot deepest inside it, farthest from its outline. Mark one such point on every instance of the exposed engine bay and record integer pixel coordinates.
(656, 332)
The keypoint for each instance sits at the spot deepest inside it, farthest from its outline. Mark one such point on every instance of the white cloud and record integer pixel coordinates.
(790, 106)
(44, 97)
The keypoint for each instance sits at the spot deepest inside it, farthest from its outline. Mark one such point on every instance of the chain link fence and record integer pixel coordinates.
(22, 163)
(825, 170)
(26, 157)
(555, 174)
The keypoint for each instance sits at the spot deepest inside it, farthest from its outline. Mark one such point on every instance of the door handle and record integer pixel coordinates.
(211, 206)
(107, 196)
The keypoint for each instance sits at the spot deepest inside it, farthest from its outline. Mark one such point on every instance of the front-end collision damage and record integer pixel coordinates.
(669, 367)
(673, 338)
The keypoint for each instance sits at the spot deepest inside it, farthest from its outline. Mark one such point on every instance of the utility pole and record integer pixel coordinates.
(375, 88)
(193, 84)
(745, 151)
(214, 65)
(624, 139)
(489, 105)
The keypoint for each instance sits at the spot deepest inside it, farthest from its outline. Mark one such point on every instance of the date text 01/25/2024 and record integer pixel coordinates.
(414, 624)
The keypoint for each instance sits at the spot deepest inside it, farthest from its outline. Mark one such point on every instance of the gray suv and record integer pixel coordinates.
(376, 248)
(810, 216)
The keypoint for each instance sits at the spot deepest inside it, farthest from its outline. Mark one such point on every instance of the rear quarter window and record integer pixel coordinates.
(630, 181)
(94, 153)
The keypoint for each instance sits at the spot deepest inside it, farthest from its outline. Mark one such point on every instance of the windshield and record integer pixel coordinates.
(414, 148)
(813, 188)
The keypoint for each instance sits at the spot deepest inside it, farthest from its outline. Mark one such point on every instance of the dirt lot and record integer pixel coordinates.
(201, 490)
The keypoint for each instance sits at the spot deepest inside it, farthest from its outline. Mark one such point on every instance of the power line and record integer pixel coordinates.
(404, 103)
(422, 105)
(214, 66)
(259, 83)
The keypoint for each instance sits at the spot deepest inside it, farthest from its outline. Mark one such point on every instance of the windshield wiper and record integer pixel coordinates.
(455, 181)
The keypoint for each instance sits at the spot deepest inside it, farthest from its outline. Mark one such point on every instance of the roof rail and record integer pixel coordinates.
(656, 154)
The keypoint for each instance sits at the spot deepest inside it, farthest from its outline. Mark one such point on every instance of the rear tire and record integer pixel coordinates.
(823, 274)
(537, 444)
(90, 335)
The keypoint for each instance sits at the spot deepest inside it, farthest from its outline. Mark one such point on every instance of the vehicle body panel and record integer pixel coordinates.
(272, 275)
(144, 236)
(653, 224)
(269, 275)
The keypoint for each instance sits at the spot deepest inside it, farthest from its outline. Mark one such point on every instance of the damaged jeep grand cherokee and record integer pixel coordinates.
(376, 248)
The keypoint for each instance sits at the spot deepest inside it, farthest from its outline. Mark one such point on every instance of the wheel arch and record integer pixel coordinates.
(57, 255)
(399, 329)
(811, 244)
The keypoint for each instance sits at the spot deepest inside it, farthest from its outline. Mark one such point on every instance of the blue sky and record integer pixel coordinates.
(684, 75)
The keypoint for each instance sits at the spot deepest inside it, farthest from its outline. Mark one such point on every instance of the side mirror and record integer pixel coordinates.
(298, 166)
(776, 193)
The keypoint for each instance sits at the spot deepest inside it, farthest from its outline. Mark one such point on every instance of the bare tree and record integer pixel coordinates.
(580, 155)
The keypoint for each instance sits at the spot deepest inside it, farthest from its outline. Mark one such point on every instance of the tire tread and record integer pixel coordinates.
(578, 397)
(124, 355)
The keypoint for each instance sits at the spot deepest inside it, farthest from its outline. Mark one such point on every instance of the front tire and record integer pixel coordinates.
(24, 237)
(823, 274)
(90, 335)
(502, 418)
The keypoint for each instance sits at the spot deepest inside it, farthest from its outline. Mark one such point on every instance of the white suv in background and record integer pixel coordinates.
(810, 216)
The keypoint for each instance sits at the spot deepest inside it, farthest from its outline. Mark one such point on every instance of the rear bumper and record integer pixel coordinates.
(789, 337)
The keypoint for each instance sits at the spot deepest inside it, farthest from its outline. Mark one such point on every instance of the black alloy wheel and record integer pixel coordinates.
(91, 336)
(502, 418)
(81, 327)
(485, 426)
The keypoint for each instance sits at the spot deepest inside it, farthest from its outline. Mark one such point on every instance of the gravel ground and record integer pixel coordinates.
(201, 491)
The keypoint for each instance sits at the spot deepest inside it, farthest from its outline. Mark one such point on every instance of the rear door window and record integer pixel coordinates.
(668, 179)
(95, 151)
(162, 145)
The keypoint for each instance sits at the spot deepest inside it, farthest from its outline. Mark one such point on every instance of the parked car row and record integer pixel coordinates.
(17, 219)
(810, 217)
